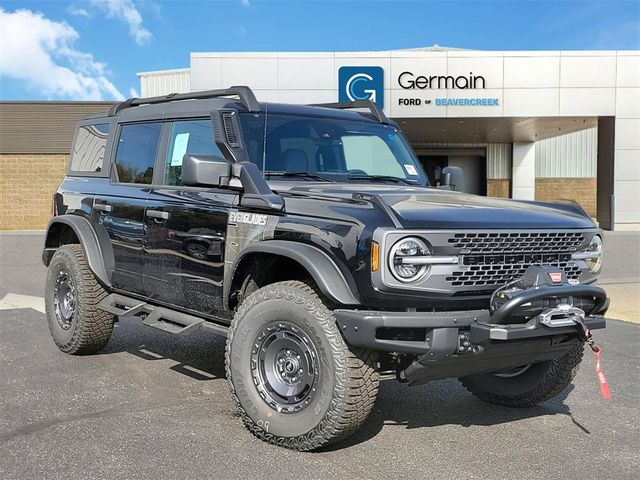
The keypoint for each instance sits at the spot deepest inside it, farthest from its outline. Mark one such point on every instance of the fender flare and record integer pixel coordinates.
(324, 271)
(97, 247)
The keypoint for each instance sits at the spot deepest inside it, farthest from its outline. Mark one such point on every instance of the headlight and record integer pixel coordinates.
(594, 263)
(592, 255)
(404, 259)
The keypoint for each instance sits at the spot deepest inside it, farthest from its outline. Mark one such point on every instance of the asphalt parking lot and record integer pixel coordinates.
(157, 406)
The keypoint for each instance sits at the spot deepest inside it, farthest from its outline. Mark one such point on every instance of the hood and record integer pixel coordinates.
(427, 207)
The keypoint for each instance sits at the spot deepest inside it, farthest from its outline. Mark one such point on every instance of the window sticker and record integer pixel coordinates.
(179, 149)
(411, 170)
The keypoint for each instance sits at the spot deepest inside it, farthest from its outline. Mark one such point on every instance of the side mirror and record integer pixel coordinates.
(452, 177)
(205, 171)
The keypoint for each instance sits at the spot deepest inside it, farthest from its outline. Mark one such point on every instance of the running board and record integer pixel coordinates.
(159, 318)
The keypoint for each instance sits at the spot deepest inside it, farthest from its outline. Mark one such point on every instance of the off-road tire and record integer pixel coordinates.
(347, 384)
(539, 383)
(90, 328)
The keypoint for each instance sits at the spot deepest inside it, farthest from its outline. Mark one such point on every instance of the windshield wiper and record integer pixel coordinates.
(389, 178)
(308, 175)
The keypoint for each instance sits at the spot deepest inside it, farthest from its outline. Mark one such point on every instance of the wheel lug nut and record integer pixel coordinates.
(300, 371)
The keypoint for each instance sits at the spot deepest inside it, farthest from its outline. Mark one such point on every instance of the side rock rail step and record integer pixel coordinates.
(157, 317)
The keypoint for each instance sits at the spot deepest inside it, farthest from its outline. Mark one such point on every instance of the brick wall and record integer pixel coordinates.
(582, 190)
(27, 183)
(498, 187)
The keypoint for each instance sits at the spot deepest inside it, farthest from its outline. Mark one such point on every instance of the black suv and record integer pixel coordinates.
(311, 238)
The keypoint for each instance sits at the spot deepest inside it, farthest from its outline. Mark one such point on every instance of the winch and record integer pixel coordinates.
(535, 277)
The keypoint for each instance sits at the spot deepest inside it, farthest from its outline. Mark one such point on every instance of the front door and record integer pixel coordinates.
(186, 227)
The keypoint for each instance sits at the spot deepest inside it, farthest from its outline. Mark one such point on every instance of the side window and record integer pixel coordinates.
(136, 154)
(88, 148)
(189, 136)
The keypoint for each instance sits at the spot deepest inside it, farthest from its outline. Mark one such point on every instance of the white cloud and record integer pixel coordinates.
(133, 93)
(78, 12)
(41, 52)
(245, 3)
(127, 12)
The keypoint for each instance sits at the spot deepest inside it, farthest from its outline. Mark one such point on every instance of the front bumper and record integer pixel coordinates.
(461, 343)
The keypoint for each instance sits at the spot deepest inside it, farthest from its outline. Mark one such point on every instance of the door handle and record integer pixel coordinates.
(159, 214)
(102, 207)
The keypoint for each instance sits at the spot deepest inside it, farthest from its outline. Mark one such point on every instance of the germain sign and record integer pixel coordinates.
(408, 81)
(367, 83)
(361, 83)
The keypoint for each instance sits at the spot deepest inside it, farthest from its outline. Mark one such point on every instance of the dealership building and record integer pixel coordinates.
(543, 125)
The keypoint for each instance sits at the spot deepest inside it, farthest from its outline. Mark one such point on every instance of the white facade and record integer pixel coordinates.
(520, 86)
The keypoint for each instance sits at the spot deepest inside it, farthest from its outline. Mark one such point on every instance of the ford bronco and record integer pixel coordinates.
(312, 239)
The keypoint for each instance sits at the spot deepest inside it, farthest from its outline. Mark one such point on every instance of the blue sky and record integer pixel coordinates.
(92, 49)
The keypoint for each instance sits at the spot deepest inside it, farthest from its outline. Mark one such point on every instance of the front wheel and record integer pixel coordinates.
(295, 381)
(527, 385)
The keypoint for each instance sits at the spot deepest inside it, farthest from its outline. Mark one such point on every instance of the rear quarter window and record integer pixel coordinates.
(89, 148)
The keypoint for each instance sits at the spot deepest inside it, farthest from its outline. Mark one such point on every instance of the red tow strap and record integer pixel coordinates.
(585, 334)
(604, 385)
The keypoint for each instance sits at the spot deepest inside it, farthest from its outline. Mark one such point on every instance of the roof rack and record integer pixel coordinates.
(374, 109)
(245, 94)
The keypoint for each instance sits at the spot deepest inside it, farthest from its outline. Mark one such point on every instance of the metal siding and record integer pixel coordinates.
(164, 82)
(568, 156)
(42, 127)
(499, 160)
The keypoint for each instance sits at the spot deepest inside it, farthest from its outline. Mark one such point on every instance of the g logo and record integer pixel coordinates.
(361, 83)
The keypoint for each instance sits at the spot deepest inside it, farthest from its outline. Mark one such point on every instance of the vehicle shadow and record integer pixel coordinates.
(444, 402)
(199, 356)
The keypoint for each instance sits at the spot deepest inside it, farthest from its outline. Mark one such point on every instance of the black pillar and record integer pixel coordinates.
(605, 172)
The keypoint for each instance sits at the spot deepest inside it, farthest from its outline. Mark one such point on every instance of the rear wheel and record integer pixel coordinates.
(527, 385)
(295, 381)
(71, 297)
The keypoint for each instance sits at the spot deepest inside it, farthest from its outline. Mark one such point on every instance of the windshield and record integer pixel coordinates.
(329, 149)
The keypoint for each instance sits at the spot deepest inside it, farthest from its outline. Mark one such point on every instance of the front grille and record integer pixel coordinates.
(533, 242)
(496, 275)
(494, 259)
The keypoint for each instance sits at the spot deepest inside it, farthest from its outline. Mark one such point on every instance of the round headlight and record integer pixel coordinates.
(594, 263)
(404, 259)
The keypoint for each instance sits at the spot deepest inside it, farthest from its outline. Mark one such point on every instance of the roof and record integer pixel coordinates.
(42, 127)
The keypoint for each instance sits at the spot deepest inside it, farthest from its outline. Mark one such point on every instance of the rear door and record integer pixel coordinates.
(120, 209)
(186, 226)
